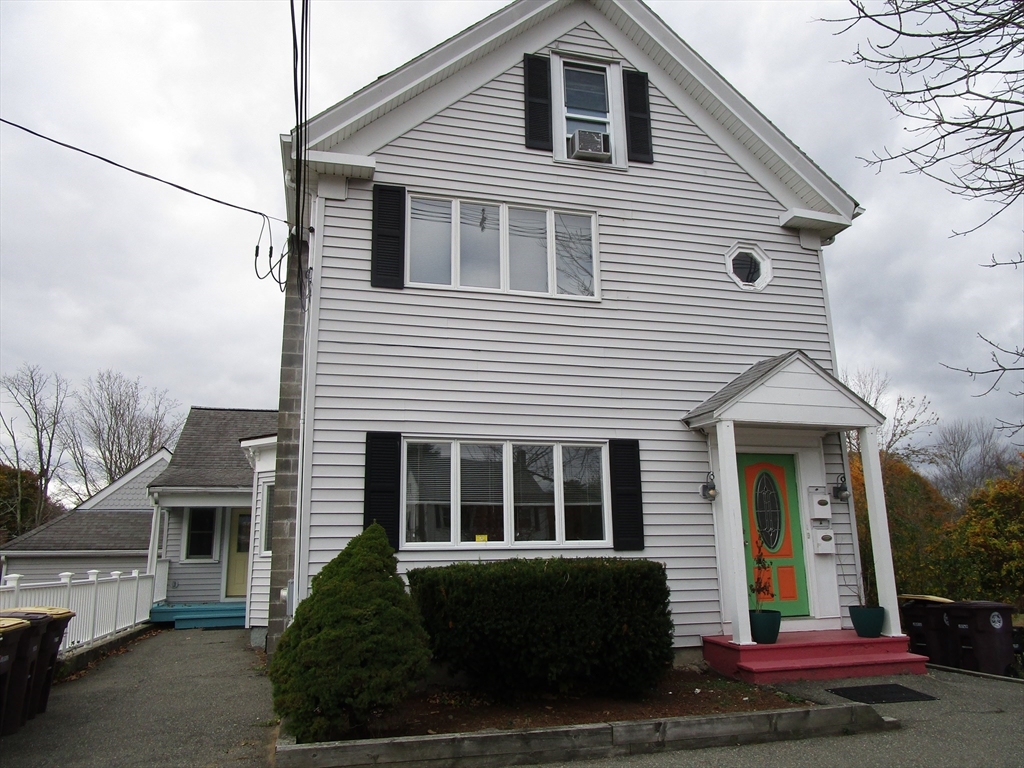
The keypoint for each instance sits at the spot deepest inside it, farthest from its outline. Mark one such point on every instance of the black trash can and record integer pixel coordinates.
(46, 665)
(19, 687)
(11, 631)
(984, 635)
(925, 627)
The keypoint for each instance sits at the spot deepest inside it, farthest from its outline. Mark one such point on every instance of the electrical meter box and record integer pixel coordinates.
(824, 541)
(820, 504)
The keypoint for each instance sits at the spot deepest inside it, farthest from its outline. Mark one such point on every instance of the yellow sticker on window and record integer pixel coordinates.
(481, 537)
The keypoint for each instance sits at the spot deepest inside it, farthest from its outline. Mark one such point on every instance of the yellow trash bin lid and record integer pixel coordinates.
(52, 611)
(9, 624)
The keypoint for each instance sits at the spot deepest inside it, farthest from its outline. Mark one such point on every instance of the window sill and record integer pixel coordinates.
(502, 546)
(590, 164)
(462, 290)
(197, 560)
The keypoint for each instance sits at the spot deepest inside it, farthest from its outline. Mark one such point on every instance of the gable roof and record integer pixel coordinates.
(816, 201)
(88, 530)
(208, 454)
(121, 494)
(828, 403)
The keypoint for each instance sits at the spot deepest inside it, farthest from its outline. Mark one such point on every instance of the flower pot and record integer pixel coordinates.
(764, 626)
(867, 619)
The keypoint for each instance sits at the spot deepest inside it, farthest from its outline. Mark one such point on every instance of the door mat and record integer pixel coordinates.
(890, 693)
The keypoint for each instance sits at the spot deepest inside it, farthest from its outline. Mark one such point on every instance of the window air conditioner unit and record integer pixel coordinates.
(590, 145)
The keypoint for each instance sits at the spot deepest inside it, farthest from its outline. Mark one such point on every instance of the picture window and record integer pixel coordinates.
(487, 493)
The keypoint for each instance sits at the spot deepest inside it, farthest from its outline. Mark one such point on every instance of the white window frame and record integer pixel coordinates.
(186, 529)
(504, 248)
(759, 255)
(508, 496)
(616, 108)
(264, 551)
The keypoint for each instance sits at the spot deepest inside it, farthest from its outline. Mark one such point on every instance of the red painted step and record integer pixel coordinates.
(816, 655)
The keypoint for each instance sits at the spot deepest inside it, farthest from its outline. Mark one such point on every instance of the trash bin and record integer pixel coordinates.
(11, 631)
(925, 627)
(19, 687)
(984, 635)
(46, 665)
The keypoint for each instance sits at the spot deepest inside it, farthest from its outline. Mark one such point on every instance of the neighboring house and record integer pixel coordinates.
(559, 272)
(204, 507)
(108, 532)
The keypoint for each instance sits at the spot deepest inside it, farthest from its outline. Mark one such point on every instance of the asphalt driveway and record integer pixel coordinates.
(179, 698)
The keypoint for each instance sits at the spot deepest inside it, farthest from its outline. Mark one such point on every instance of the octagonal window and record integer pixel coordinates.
(748, 266)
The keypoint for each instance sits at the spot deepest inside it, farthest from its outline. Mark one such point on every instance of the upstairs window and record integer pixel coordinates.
(601, 109)
(500, 247)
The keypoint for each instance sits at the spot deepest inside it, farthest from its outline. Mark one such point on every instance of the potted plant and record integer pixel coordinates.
(764, 623)
(867, 615)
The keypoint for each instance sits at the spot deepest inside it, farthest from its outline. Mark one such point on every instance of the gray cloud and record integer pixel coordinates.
(102, 269)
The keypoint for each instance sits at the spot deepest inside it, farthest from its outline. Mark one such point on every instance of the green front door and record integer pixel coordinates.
(770, 507)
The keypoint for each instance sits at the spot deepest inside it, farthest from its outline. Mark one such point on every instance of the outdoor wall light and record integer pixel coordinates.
(839, 491)
(707, 490)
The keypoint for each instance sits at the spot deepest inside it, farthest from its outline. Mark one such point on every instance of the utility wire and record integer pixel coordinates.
(143, 174)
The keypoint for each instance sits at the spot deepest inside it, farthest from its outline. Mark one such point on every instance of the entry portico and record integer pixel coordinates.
(766, 432)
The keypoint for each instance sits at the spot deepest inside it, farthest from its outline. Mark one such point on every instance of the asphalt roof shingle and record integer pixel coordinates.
(208, 454)
(88, 529)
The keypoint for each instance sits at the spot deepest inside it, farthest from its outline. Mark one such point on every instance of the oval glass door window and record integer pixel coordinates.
(768, 510)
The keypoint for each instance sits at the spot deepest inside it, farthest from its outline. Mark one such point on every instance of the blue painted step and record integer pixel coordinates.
(199, 615)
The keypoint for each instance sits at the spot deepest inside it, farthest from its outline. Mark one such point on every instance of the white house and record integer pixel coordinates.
(108, 532)
(560, 271)
(203, 517)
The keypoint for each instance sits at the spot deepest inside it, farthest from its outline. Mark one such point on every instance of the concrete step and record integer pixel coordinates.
(831, 668)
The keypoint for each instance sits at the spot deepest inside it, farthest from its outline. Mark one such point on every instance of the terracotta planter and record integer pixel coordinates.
(764, 626)
(867, 619)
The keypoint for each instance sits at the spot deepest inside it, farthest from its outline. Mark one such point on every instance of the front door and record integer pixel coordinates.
(238, 552)
(771, 522)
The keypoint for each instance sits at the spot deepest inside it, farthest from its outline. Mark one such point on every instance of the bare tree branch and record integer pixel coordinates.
(953, 69)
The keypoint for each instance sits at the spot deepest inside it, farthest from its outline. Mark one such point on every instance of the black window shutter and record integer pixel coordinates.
(537, 93)
(381, 488)
(627, 498)
(638, 117)
(387, 250)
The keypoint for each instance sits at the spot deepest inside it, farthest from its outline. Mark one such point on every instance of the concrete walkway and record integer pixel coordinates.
(974, 723)
(180, 698)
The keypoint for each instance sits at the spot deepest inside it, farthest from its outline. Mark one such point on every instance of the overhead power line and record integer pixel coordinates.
(274, 267)
(143, 174)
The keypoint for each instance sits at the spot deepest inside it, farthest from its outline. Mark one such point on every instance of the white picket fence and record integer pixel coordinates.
(102, 606)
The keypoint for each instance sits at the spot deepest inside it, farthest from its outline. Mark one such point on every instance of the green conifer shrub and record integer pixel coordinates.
(580, 625)
(356, 644)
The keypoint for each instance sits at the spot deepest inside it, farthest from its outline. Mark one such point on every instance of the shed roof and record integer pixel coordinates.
(84, 530)
(208, 454)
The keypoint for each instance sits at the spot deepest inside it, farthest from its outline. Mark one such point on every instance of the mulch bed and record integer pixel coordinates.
(683, 692)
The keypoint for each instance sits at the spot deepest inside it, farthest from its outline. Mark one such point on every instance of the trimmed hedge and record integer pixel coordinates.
(594, 625)
(355, 644)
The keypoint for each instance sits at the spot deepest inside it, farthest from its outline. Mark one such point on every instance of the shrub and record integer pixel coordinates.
(355, 644)
(580, 625)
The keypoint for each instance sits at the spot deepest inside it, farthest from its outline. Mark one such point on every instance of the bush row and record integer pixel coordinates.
(580, 625)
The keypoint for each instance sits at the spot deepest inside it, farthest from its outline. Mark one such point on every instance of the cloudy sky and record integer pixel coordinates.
(101, 269)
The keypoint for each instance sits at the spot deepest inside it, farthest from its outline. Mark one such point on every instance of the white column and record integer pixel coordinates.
(94, 577)
(731, 544)
(154, 540)
(878, 522)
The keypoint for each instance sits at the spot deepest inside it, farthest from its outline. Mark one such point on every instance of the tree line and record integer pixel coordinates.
(954, 494)
(61, 444)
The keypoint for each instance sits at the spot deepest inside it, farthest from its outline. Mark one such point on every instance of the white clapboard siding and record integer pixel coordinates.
(257, 609)
(35, 569)
(670, 329)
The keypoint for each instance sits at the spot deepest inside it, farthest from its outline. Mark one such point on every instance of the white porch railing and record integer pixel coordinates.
(102, 606)
(160, 585)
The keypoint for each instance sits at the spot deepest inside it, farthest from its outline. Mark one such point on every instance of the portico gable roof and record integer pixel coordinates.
(790, 390)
